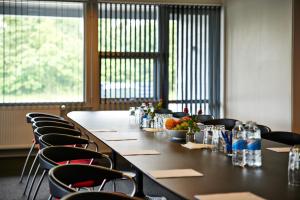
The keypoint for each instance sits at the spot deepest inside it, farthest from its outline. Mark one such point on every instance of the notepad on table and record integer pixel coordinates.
(174, 173)
(280, 149)
(102, 130)
(230, 196)
(119, 138)
(135, 152)
(153, 130)
(191, 145)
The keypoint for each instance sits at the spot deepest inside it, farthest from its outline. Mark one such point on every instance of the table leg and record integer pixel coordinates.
(139, 182)
(114, 159)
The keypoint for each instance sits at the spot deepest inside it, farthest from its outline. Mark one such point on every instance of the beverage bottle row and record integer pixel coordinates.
(246, 145)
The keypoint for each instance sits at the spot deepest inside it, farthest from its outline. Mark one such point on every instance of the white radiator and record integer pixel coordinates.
(15, 133)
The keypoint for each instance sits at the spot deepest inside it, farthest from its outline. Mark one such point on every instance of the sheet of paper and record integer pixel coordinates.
(135, 152)
(118, 137)
(280, 149)
(230, 196)
(102, 130)
(191, 145)
(153, 130)
(174, 173)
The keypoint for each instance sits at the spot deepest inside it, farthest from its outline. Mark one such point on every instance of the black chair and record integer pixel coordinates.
(43, 131)
(288, 138)
(61, 155)
(63, 179)
(179, 114)
(42, 124)
(31, 115)
(228, 123)
(29, 118)
(38, 119)
(59, 140)
(203, 118)
(264, 129)
(52, 123)
(97, 196)
(163, 111)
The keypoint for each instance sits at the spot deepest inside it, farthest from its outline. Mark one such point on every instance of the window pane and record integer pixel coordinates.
(127, 78)
(41, 52)
(128, 45)
(194, 59)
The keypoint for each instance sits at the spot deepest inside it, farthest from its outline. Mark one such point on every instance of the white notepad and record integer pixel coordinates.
(153, 130)
(174, 173)
(280, 149)
(230, 196)
(119, 137)
(191, 145)
(136, 152)
(102, 130)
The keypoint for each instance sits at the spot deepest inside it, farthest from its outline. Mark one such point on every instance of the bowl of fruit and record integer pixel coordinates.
(177, 128)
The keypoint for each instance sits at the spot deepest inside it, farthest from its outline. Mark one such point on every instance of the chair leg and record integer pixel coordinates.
(33, 180)
(29, 174)
(25, 164)
(38, 186)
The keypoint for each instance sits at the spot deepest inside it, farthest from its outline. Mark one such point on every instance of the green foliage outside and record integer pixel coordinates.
(41, 59)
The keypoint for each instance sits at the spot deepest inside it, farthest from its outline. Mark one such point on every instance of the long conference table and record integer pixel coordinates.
(219, 175)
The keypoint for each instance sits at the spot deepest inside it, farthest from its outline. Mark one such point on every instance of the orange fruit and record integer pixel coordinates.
(170, 123)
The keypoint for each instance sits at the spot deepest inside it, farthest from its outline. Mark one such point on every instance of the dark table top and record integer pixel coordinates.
(220, 176)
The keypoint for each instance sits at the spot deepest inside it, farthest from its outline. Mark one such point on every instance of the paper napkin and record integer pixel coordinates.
(191, 145)
(280, 149)
(230, 196)
(139, 152)
(174, 173)
(102, 130)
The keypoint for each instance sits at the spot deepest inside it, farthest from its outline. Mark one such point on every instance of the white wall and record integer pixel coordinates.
(258, 61)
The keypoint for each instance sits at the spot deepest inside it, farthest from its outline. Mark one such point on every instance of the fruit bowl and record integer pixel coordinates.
(177, 134)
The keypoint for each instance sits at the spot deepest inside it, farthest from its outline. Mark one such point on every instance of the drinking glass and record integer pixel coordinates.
(208, 132)
(294, 166)
(132, 115)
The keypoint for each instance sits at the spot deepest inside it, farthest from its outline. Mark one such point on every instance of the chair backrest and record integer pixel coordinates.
(163, 111)
(228, 123)
(264, 129)
(97, 196)
(53, 119)
(284, 137)
(53, 129)
(179, 114)
(55, 139)
(31, 115)
(203, 118)
(51, 123)
(60, 177)
(53, 155)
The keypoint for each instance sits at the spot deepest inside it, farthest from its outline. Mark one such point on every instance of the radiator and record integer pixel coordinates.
(15, 133)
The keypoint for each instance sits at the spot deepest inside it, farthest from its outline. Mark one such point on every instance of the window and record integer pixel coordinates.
(148, 52)
(128, 51)
(194, 59)
(41, 52)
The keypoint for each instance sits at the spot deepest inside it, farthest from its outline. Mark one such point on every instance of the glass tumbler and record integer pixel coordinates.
(208, 132)
(294, 166)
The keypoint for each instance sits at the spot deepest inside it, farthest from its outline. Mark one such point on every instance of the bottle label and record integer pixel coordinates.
(239, 145)
(254, 144)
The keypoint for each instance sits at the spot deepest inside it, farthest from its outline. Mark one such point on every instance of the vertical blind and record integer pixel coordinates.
(194, 58)
(41, 51)
(172, 52)
(128, 52)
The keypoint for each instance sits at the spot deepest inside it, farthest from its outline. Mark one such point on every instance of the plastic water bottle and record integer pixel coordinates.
(253, 156)
(239, 145)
